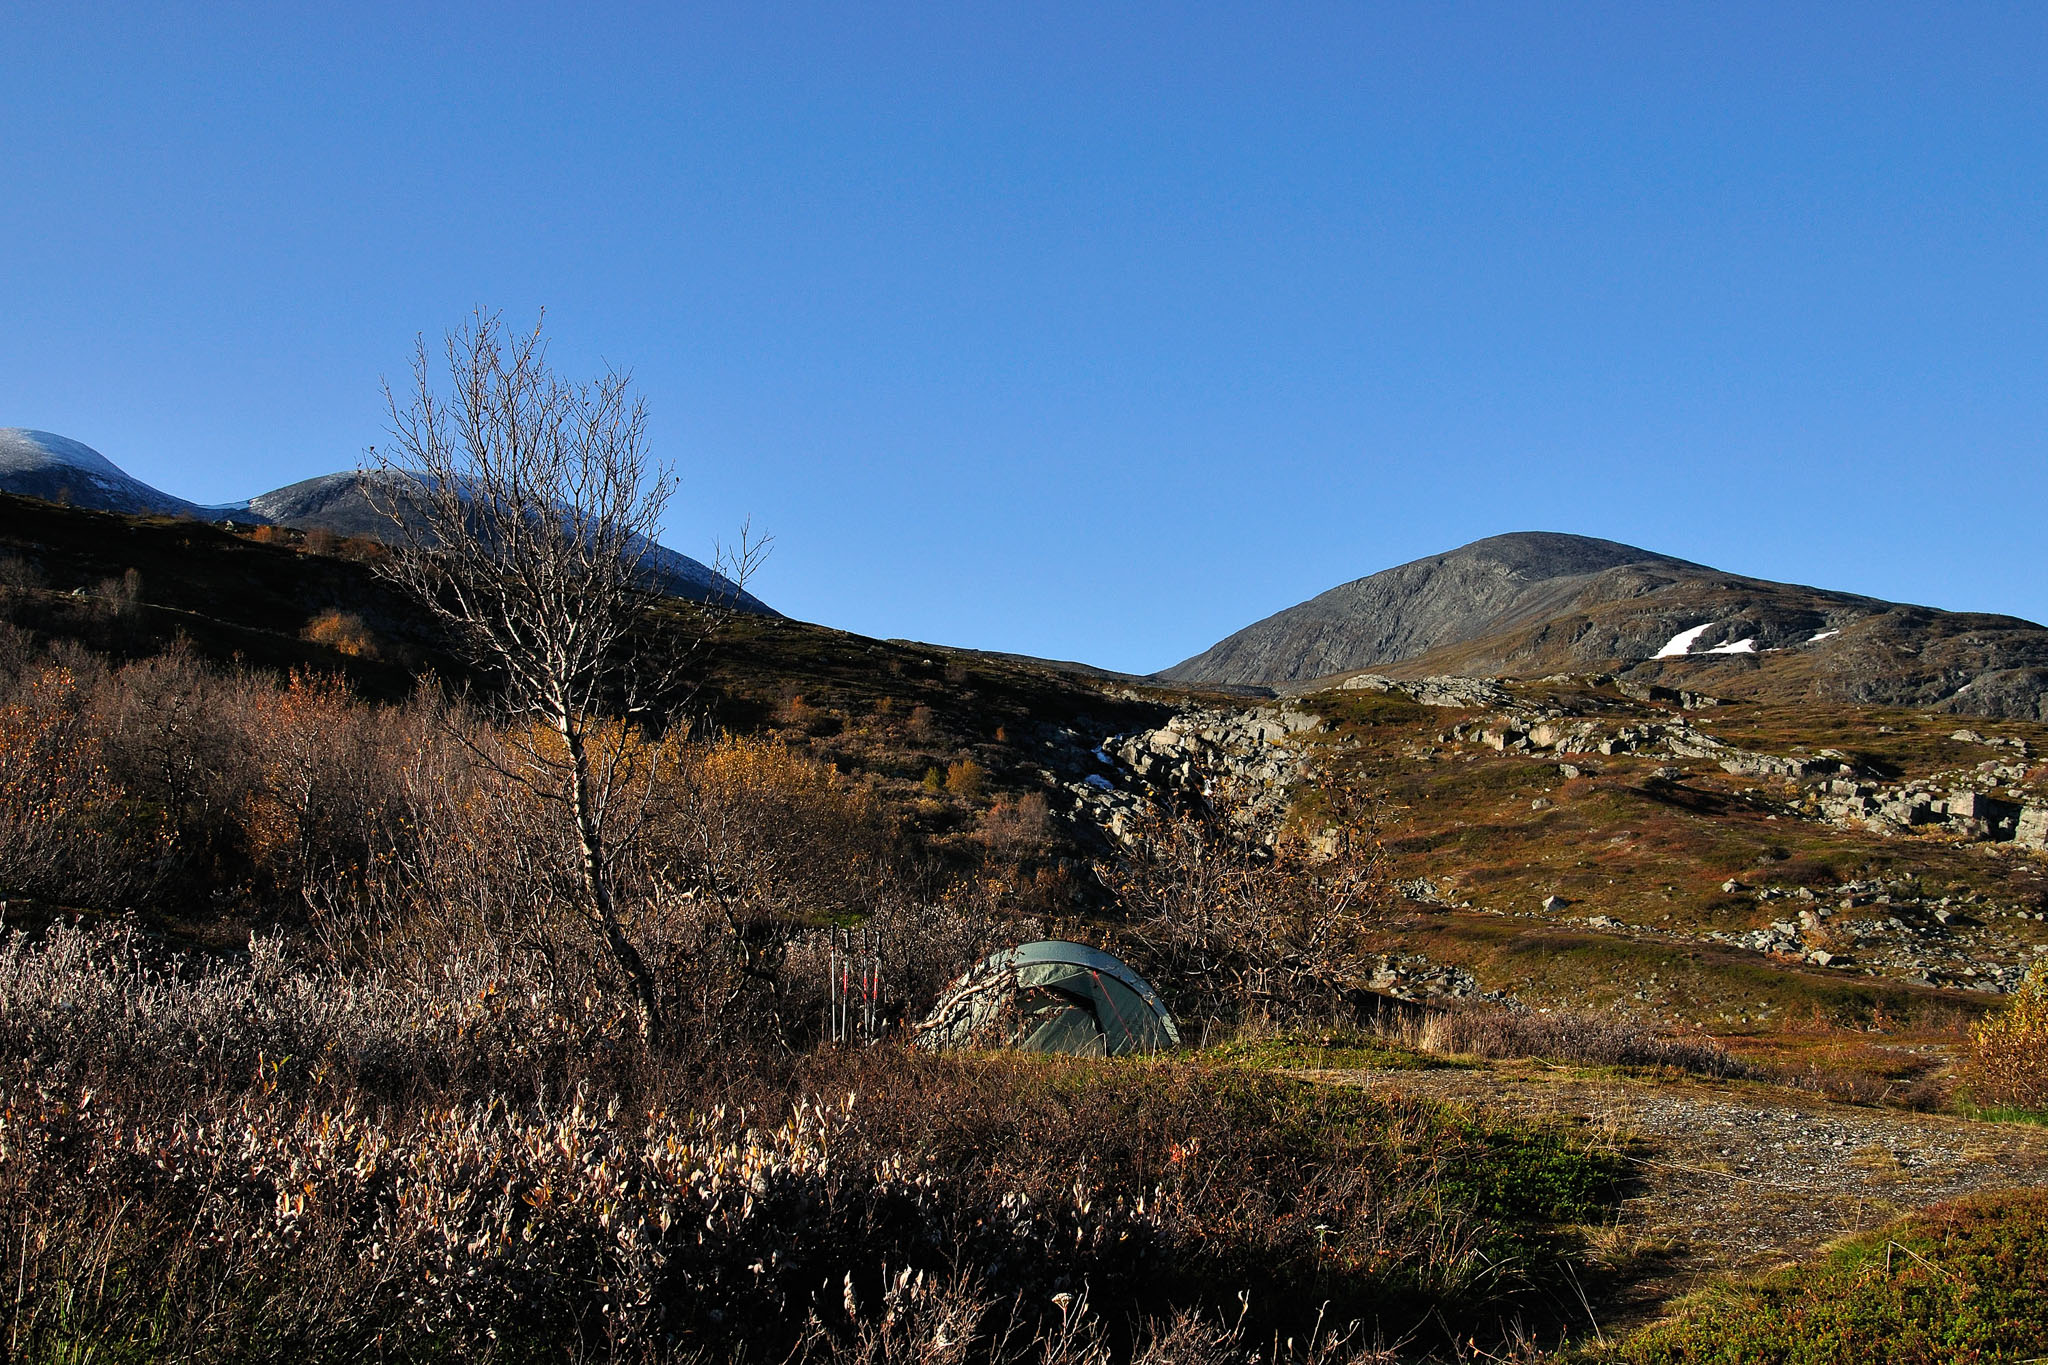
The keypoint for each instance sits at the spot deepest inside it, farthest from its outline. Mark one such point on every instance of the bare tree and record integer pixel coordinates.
(526, 506)
(1227, 927)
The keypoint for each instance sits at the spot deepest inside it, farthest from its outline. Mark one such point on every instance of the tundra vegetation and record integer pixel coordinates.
(313, 1051)
(377, 987)
(414, 1115)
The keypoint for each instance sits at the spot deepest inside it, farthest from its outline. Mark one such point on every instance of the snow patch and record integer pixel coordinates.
(1743, 646)
(1682, 643)
(1099, 782)
(1816, 639)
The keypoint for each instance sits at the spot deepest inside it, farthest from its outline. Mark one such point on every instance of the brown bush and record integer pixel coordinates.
(68, 833)
(1229, 929)
(2007, 1064)
(1587, 1039)
(343, 631)
(1018, 826)
(966, 779)
(119, 597)
(18, 579)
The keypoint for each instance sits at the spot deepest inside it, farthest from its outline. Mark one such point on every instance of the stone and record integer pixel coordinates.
(1554, 903)
(1731, 886)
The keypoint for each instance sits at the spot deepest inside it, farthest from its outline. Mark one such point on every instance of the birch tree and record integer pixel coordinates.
(525, 506)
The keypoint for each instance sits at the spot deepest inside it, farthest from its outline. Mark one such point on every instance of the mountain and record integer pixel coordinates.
(41, 464)
(340, 504)
(1534, 603)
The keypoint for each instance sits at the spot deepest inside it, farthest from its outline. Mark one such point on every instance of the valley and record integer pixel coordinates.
(1810, 900)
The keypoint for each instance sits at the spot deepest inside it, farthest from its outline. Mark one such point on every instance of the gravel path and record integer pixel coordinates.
(1740, 1176)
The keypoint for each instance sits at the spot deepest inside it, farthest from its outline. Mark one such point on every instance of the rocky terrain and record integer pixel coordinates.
(1533, 604)
(1709, 847)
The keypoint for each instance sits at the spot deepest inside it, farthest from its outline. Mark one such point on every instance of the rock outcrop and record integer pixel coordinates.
(1247, 757)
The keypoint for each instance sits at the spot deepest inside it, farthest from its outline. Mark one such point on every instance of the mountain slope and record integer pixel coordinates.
(42, 464)
(338, 503)
(1535, 603)
(1478, 590)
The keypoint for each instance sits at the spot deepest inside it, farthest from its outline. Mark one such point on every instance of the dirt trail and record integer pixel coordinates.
(1736, 1176)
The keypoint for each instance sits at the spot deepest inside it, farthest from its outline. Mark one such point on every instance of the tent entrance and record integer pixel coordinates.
(1052, 997)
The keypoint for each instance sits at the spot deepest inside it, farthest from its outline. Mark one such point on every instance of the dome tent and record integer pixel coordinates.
(1051, 996)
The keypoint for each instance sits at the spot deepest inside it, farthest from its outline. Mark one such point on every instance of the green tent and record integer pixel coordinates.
(1051, 996)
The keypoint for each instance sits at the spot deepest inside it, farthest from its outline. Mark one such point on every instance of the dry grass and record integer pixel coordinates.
(1575, 1037)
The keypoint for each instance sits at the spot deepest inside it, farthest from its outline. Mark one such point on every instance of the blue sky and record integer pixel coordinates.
(1089, 331)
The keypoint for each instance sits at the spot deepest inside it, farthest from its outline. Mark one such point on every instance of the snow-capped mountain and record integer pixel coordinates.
(41, 464)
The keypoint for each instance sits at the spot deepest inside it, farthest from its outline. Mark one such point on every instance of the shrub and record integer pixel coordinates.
(966, 779)
(119, 596)
(68, 833)
(2007, 1064)
(342, 631)
(1228, 929)
(1020, 826)
(1569, 1036)
(198, 1165)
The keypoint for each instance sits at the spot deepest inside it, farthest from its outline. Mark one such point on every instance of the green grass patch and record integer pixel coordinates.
(1995, 1114)
(1342, 1050)
(1959, 1283)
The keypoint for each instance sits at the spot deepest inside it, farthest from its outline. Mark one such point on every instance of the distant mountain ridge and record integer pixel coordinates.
(41, 464)
(341, 504)
(1532, 603)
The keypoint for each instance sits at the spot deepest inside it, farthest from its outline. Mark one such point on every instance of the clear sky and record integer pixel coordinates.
(1092, 331)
